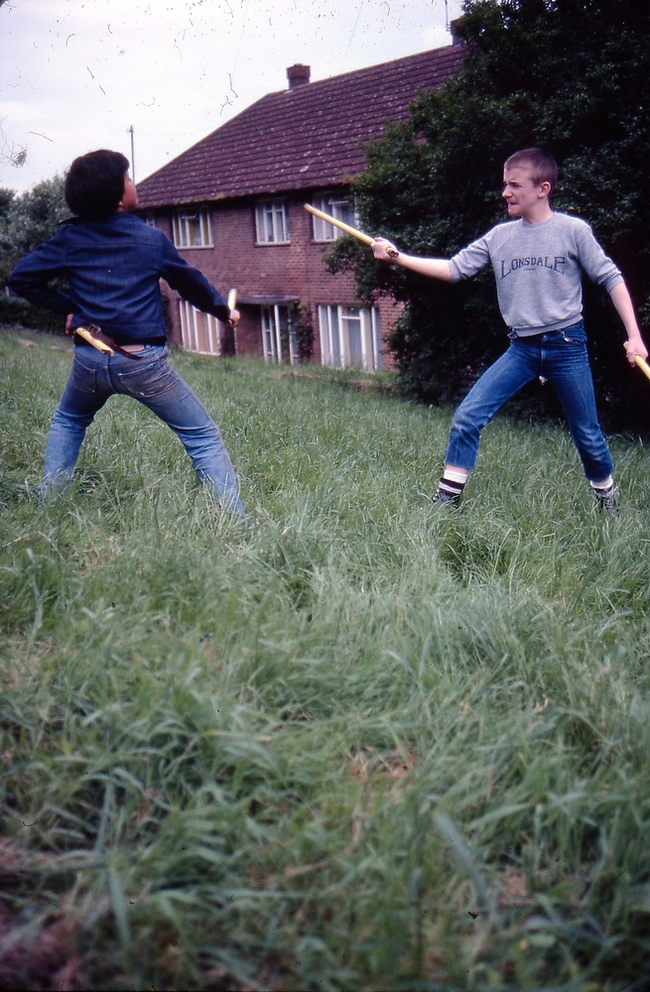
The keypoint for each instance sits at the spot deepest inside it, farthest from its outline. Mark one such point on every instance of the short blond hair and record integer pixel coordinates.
(542, 165)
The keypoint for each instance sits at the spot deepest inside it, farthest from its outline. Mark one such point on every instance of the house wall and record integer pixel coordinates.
(276, 272)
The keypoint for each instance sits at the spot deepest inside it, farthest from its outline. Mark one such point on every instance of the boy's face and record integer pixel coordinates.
(524, 197)
(129, 199)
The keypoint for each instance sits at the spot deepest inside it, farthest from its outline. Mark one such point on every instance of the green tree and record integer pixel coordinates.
(6, 198)
(26, 220)
(572, 75)
(33, 217)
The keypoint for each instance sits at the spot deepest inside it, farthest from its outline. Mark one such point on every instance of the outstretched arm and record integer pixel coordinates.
(624, 307)
(31, 278)
(435, 268)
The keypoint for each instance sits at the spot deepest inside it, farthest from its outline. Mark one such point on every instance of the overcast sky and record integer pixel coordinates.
(76, 75)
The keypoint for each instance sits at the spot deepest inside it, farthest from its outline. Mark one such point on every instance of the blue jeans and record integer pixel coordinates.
(151, 380)
(561, 358)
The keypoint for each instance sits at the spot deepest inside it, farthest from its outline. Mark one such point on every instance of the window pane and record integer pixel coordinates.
(191, 230)
(335, 206)
(271, 222)
(268, 338)
(350, 336)
(355, 344)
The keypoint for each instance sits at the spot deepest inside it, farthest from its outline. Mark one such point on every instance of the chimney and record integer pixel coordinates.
(455, 39)
(298, 75)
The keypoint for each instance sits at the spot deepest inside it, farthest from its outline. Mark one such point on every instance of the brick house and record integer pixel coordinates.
(234, 206)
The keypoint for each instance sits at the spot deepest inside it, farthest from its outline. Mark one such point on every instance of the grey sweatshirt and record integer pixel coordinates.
(538, 270)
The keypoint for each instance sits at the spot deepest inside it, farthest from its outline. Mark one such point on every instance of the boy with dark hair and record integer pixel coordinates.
(112, 262)
(538, 258)
(94, 184)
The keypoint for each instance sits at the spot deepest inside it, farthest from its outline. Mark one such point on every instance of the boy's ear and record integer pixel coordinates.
(544, 189)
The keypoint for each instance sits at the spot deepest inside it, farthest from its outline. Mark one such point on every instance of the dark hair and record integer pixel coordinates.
(94, 184)
(542, 165)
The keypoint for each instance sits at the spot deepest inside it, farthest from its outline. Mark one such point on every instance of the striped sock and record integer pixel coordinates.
(450, 487)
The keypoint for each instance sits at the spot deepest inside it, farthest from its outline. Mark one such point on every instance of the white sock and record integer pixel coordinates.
(458, 475)
(603, 484)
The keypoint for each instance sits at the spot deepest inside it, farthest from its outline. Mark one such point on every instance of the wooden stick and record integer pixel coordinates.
(232, 303)
(643, 365)
(359, 235)
(87, 335)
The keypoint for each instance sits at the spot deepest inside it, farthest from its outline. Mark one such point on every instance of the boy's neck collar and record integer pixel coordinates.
(548, 214)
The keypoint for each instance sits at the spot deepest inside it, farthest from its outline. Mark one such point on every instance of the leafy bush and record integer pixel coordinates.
(28, 220)
(14, 310)
(544, 72)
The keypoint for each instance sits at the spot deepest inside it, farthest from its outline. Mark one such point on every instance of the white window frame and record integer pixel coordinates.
(192, 229)
(350, 336)
(200, 332)
(278, 331)
(336, 206)
(272, 222)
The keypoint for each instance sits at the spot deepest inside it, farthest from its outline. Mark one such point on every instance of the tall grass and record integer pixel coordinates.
(363, 744)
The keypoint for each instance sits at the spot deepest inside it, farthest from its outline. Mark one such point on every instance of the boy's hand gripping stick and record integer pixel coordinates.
(643, 365)
(232, 302)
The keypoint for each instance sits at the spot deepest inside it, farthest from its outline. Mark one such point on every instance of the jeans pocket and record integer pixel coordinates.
(575, 334)
(147, 383)
(83, 378)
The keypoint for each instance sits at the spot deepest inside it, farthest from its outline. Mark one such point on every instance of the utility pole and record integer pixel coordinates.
(130, 131)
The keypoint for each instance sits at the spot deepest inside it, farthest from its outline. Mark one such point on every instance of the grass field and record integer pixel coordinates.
(366, 744)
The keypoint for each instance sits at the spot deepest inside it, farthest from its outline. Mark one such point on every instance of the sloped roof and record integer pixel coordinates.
(305, 137)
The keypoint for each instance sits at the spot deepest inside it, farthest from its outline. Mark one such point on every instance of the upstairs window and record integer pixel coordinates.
(192, 229)
(334, 205)
(271, 222)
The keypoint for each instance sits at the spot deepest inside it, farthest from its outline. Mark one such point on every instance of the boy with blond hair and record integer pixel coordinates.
(538, 258)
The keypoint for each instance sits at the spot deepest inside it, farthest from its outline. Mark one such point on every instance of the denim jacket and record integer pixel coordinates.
(112, 270)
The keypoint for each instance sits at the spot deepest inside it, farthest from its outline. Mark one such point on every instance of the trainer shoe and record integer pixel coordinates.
(607, 499)
(452, 500)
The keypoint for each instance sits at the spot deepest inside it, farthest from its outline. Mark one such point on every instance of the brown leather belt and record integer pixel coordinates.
(93, 335)
(130, 347)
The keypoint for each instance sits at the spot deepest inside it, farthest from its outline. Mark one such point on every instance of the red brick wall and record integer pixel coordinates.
(294, 270)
